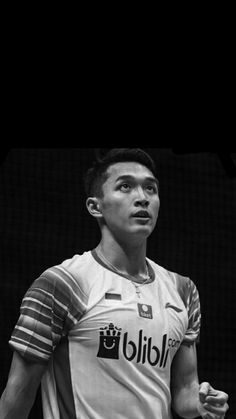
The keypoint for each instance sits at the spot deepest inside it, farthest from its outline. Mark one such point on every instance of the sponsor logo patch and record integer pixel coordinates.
(145, 311)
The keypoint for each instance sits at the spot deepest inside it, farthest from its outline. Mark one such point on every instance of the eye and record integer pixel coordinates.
(125, 187)
(151, 188)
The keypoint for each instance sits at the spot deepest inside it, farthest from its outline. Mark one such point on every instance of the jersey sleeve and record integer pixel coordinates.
(190, 297)
(50, 308)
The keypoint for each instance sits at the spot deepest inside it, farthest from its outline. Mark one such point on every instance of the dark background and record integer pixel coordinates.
(44, 221)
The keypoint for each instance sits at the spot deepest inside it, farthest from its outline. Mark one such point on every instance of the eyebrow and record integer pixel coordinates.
(130, 177)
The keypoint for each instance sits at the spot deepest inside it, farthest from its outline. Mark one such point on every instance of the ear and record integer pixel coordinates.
(93, 207)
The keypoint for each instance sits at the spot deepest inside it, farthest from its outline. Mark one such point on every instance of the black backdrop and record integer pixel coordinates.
(44, 221)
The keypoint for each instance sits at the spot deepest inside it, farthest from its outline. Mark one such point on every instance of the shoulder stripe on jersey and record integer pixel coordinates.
(55, 301)
(194, 313)
(68, 274)
(31, 338)
(70, 288)
(40, 338)
(27, 302)
(50, 308)
(30, 309)
(190, 296)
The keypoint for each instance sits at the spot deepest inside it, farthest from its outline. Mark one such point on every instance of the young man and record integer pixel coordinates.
(110, 333)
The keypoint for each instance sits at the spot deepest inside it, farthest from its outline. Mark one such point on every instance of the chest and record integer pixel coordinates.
(144, 323)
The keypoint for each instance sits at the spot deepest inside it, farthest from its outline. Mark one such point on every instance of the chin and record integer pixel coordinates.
(142, 231)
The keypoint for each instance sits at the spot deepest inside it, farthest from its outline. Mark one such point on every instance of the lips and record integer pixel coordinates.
(141, 214)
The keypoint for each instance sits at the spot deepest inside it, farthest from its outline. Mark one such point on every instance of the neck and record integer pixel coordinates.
(127, 258)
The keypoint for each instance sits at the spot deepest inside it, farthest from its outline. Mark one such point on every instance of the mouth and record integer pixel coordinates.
(141, 214)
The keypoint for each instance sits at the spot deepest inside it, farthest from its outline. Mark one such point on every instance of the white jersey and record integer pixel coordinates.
(108, 349)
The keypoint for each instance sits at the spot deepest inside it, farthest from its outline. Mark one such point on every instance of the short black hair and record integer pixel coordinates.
(97, 174)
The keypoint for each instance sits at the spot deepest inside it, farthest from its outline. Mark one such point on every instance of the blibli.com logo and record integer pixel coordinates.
(141, 351)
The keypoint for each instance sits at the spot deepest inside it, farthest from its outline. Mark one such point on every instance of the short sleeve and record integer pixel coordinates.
(190, 297)
(50, 308)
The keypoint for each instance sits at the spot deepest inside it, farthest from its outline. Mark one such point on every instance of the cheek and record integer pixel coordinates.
(114, 203)
(114, 210)
(157, 206)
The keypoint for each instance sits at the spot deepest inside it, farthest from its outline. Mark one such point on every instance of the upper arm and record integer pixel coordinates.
(184, 368)
(24, 376)
(20, 392)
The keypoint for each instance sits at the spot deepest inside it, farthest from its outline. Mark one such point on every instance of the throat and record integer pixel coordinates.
(125, 267)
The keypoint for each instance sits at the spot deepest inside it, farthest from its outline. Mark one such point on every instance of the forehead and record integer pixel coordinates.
(133, 169)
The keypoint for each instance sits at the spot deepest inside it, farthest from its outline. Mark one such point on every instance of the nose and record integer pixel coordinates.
(141, 199)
